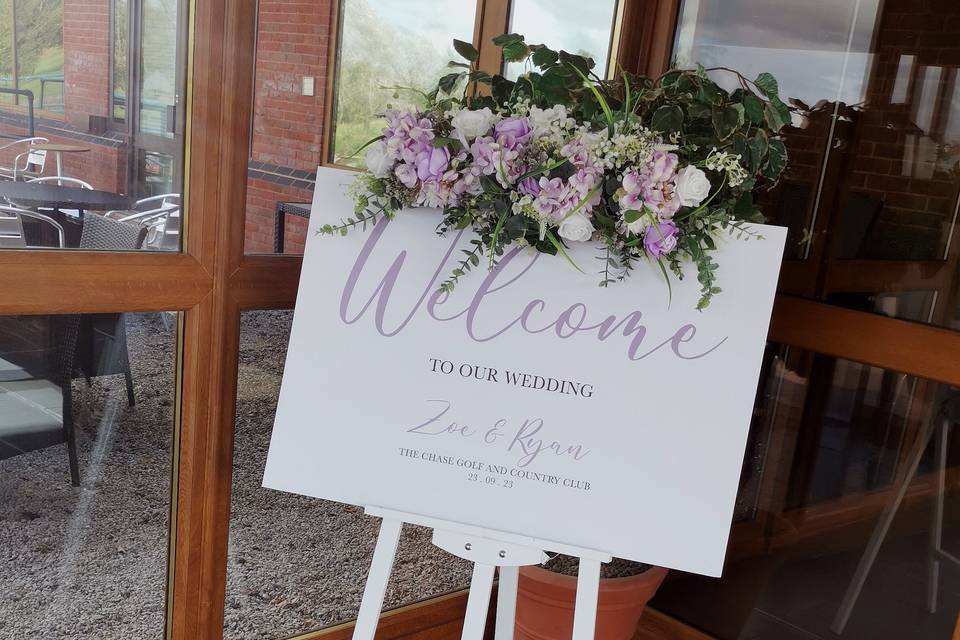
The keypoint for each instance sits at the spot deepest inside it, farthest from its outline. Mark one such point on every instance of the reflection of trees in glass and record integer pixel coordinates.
(374, 54)
(121, 35)
(6, 53)
(40, 47)
(159, 82)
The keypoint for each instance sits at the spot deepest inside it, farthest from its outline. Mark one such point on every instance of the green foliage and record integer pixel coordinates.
(732, 136)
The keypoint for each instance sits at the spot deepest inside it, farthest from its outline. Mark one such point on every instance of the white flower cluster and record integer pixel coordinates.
(623, 148)
(728, 163)
(551, 127)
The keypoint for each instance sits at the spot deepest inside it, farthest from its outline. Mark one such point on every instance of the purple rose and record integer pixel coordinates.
(432, 163)
(660, 239)
(513, 131)
(529, 187)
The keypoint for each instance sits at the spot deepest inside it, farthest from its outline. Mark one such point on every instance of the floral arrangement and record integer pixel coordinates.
(649, 169)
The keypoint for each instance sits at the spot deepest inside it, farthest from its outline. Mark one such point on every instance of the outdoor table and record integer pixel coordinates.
(59, 150)
(54, 196)
(299, 209)
(34, 195)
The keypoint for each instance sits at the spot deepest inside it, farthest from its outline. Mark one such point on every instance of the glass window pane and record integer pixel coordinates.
(86, 430)
(831, 445)
(39, 40)
(413, 43)
(872, 190)
(85, 156)
(382, 44)
(298, 563)
(583, 28)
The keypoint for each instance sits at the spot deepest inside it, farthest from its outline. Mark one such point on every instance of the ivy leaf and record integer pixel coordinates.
(744, 206)
(466, 50)
(544, 57)
(480, 76)
(768, 85)
(775, 120)
(667, 119)
(502, 88)
(758, 145)
(514, 48)
(753, 107)
(727, 120)
(449, 81)
(711, 93)
(776, 160)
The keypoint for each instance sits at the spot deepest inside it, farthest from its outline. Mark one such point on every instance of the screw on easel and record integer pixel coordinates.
(468, 546)
(503, 554)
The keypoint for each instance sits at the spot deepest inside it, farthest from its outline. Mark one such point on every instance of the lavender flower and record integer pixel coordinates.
(660, 238)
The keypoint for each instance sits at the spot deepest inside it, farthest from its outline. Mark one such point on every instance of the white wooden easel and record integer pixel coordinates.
(487, 549)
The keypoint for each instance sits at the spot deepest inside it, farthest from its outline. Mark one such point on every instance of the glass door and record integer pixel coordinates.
(158, 30)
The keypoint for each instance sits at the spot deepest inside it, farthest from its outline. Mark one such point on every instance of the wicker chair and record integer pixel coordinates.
(76, 337)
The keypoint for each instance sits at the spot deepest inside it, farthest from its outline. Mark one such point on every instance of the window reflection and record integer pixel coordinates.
(871, 192)
(549, 22)
(832, 446)
(412, 43)
(295, 563)
(86, 430)
(91, 120)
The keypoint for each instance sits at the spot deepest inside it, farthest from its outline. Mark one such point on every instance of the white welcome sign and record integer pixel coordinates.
(530, 401)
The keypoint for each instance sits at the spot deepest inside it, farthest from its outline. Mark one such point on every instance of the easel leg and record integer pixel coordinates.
(475, 620)
(936, 527)
(507, 602)
(880, 533)
(588, 590)
(376, 587)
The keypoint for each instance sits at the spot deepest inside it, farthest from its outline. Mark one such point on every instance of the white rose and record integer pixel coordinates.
(693, 186)
(576, 228)
(469, 124)
(542, 119)
(378, 160)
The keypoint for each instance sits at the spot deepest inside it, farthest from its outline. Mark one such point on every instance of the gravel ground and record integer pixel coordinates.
(91, 562)
(297, 563)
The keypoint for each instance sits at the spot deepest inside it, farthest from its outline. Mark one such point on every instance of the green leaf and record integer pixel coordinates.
(775, 120)
(727, 120)
(507, 38)
(753, 106)
(768, 85)
(561, 250)
(711, 93)
(480, 76)
(466, 50)
(631, 216)
(544, 57)
(449, 81)
(502, 88)
(744, 206)
(776, 160)
(514, 48)
(667, 119)
(758, 145)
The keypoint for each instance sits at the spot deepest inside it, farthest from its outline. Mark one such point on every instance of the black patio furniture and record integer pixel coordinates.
(299, 209)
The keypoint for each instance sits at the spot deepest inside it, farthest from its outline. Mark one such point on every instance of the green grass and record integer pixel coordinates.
(350, 136)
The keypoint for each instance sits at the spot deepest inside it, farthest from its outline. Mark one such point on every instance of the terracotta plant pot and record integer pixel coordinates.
(545, 602)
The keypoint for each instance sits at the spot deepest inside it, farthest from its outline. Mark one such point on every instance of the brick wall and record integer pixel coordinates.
(292, 41)
(894, 161)
(86, 68)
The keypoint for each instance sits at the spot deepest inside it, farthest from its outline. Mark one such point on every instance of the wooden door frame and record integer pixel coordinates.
(212, 282)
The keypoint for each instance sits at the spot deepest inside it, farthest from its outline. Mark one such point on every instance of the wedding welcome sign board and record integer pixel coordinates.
(528, 401)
